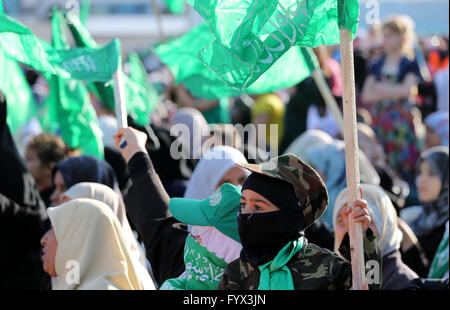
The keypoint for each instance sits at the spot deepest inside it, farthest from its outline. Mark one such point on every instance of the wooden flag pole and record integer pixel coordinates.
(352, 157)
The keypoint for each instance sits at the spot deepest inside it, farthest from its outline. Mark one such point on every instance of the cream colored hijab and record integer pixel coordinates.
(90, 236)
(383, 215)
(108, 196)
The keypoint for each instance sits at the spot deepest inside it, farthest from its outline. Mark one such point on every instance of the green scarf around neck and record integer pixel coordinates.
(203, 269)
(439, 266)
(275, 275)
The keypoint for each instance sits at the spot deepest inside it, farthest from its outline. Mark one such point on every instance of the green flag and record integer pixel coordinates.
(142, 97)
(69, 104)
(139, 97)
(19, 98)
(181, 57)
(250, 36)
(175, 6)
(83, 38)
(89, 64)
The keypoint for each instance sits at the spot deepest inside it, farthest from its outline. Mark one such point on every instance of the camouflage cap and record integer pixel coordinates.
(308, 185)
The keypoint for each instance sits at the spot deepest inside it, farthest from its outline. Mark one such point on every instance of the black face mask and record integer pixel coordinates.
(263, 235)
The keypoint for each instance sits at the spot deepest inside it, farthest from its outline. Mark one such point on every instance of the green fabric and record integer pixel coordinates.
(250, 36)
(85, 9)
(140, 97)
(440, 264)
(69, 104)
(180, 56)
(275, 275)
(203, 269)
(219, 210)
(175, 6)
(143, 101)
(220, 114)
(19, 98)
(88, 64)
(82, 38)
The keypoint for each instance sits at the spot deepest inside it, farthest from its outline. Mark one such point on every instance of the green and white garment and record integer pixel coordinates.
(204, 269)
(439, 266)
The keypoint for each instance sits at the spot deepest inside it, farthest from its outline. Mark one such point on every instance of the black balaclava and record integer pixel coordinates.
(263, 235)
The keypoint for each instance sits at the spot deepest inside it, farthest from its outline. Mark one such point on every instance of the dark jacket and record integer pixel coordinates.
(147, 205)
(396, 275)
(22, 218)
(313, 268)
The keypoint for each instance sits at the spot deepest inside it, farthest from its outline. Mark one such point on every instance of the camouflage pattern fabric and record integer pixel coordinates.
(308, 185)
(313, 268)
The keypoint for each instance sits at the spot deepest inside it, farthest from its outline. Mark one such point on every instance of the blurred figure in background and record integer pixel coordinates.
(437, 129)
(81, 169)
(389, 90)
(428, 220)
(42, 153)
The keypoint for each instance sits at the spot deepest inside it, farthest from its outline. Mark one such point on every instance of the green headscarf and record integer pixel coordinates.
(203, 271)
(275, 275)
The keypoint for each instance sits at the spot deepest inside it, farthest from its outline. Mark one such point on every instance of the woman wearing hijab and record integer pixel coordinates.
(81, 169)
(106, 195)
(437, 129)
(86, 249)
(428, 220)
(329, 161)
(164, 236)
(396, 274)
(279, 200)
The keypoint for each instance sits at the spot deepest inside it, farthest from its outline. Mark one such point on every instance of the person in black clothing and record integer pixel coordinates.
(163, 236)
(22, 217)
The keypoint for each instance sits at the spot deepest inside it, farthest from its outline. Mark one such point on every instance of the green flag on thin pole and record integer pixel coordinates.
(70, 105)
(250, 36)
(138, 96)
(88, 64)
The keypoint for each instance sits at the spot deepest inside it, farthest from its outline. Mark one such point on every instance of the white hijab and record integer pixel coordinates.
(92, 245)
(214, 164)
(108, 196)
(315, 138)
(383, 215)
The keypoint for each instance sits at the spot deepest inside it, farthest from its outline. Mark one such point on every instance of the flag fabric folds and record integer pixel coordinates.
(181, 56)
(250, 36)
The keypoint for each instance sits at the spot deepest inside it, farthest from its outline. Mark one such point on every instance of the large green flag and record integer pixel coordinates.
(88, 64)
(180, 56)
(70, 106)
(19, 98)
(140, 94)
(250, 36)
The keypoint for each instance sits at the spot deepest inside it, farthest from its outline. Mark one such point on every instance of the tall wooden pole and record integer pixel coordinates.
(351, 156)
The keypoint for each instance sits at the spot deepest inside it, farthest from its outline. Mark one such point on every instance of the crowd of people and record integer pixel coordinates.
(227, 215)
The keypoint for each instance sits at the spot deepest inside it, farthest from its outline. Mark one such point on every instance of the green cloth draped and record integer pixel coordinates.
(203, 271)
(275, 275)
(250, 36)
